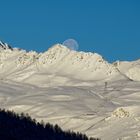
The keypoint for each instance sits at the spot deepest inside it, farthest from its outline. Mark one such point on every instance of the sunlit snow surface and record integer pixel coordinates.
(79, 91)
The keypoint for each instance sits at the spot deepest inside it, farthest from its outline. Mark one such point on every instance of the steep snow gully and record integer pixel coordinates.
(77, 90)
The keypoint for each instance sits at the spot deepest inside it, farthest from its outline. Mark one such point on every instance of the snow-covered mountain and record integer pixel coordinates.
(78, 90)
(20, 65)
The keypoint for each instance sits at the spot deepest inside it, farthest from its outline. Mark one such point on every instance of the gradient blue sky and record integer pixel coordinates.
(108, 27)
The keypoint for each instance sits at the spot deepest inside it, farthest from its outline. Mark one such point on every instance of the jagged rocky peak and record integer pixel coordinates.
(5, 46)
(58, 47)
(61, 50)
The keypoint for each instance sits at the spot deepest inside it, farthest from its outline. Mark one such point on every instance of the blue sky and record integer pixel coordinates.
(108, 27)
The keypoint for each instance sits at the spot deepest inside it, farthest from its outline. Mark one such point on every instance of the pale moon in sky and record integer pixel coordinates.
(71, 44)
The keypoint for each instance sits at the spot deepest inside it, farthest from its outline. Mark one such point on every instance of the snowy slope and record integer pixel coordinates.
(77, 90)
(130, 69)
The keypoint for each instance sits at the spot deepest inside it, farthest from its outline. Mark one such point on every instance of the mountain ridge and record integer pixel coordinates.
(60, 60)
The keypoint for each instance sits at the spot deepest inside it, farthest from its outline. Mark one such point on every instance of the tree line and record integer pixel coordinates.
(15, 126)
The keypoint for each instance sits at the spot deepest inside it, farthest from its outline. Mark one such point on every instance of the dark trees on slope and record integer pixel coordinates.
(23, 127)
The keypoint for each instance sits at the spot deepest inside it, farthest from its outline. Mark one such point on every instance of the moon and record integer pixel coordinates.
(71, 44)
